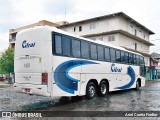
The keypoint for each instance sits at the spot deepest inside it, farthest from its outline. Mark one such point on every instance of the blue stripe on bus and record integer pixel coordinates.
(132, 75)
(62, 78)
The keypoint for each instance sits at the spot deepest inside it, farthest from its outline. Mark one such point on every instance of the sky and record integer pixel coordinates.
(17, 13)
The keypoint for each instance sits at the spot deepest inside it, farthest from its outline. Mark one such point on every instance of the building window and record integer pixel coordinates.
(101, 24)
(101, 38)
(135, 32)
(74, 29)
(92, 26)
(93, 38)
(131, 28)
(111, 23)
(111, 38)
(80, 28)
(135, 46)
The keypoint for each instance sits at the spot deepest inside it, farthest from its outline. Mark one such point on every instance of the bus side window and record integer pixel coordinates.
(66, 46)
(113, 55)
(107, 54)
(76, 48)
(134, 59)
(93, 51)
(122, 57)
(100, 53)
(131, 61)
(141, 60)
(126, 58)
(85, 49)
(118, 56)
(137, 60)
(58, 44)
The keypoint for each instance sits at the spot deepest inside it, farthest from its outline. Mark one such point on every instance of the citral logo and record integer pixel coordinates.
(115, 69)
(27, 45)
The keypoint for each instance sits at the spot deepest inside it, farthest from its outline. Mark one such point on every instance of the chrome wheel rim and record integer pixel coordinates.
(103, 89)
(91, 91)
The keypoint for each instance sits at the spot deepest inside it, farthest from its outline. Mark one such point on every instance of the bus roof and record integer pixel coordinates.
(54, 29)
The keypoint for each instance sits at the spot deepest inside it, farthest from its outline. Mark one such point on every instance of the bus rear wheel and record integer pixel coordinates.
(91, 90)
(103, 88)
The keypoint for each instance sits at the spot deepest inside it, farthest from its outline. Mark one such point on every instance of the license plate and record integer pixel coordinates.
(27, 90)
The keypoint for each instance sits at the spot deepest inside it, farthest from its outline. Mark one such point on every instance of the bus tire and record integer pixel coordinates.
(103, 88)
(90, 90)
(137, 85)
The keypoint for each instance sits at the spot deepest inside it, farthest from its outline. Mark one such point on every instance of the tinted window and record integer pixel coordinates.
(113, 54)
(66, 45)
(93, 51)
(134, 59)
(80, 28)
(141, 60)
(137, 59)
(76, 48)
(58, 45)
(118, 56)
(100, 53)
(85, 50)
(107, 54)
(131, 61)
(122, 57)
(126, 57)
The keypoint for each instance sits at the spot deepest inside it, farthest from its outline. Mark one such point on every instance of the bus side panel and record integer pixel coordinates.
(66, 76)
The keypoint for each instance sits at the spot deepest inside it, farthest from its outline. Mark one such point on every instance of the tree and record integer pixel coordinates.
(7, 61)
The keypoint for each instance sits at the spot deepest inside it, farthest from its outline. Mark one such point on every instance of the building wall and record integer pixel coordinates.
(93, 27)
(131, 28)
(106, 25)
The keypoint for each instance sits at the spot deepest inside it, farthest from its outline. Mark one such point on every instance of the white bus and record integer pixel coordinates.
(51, 62)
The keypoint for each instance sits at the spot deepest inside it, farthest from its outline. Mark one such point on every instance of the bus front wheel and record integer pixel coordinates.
(103, 88)
(91, 90)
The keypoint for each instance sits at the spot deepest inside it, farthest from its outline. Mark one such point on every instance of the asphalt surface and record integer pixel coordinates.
(145, 99)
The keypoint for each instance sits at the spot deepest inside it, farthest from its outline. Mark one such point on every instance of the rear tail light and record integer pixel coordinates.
(44, 78)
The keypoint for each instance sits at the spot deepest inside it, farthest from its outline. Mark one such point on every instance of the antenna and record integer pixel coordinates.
(65, 10)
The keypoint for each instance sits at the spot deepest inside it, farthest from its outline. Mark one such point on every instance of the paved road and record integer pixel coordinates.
(146, 99)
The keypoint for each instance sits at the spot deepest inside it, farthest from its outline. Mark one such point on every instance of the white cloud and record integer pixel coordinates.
(17, 13)
(4, 37)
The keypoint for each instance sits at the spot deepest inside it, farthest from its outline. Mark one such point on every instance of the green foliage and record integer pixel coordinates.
(7, 61)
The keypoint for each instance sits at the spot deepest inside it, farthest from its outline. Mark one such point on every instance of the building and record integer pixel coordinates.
(13, 32)
(154, 68)
(118, 29)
